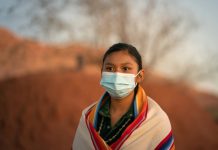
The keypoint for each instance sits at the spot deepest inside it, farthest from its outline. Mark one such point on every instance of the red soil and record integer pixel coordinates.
(42, 111)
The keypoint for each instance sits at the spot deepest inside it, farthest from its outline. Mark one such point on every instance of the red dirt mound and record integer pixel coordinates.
(19, 56)
(42, 111)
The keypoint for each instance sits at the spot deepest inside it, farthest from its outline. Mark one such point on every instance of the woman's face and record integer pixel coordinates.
(122, 62)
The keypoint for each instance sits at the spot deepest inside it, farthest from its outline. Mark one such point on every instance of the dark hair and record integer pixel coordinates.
(125, 47)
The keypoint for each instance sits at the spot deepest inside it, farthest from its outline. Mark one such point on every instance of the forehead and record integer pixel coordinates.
(120, 57)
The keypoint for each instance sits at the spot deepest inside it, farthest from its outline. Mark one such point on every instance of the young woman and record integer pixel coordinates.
(124, 117)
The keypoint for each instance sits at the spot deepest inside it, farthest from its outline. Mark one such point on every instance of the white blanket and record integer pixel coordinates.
(153, 133)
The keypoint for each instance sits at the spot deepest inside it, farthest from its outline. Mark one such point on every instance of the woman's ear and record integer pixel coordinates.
(140, 77)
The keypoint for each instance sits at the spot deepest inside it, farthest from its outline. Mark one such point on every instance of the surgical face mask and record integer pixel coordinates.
(118, 85)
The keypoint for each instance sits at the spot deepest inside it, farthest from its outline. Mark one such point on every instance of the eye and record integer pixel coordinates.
(126, 69)
(109, 68)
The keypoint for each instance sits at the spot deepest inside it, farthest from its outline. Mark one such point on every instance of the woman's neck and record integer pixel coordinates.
(119, 107)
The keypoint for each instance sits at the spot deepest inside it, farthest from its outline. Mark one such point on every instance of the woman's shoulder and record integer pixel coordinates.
(85, 110)
(156, 112)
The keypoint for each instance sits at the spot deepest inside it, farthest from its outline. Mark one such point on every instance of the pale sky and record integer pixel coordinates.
(205, 12)
(204, 39)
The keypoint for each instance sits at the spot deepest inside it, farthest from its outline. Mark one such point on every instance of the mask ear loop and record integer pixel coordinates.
(138, 73)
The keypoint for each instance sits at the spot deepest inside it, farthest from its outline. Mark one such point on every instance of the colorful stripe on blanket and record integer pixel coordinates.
(167, 143)
(140, 106)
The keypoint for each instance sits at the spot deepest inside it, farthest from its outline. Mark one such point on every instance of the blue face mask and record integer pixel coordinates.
(118, 85)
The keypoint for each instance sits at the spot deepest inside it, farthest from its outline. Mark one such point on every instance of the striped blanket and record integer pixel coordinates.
(151, 129)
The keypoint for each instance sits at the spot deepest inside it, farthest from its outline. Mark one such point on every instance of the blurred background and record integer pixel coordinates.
(51, 54)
